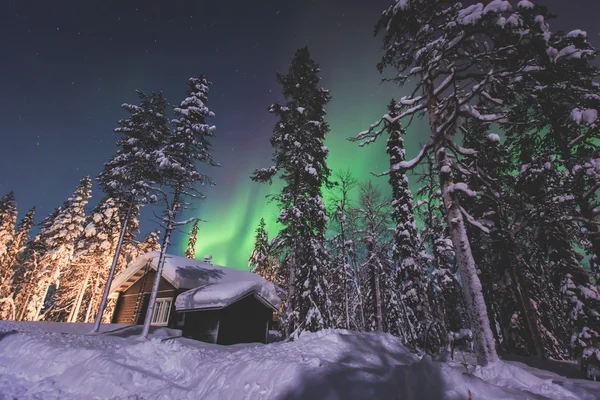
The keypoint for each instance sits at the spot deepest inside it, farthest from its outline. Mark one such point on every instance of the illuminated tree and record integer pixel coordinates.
(60, 246)
(8, 218)
(94, 251)
(28, 300)
(12, 281)
(299, 157)
(190, 252)
(261, 262)
(131, 174)
(178, 162)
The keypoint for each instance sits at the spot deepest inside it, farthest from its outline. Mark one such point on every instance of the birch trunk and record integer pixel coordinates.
(160, 265)
(484, 345)
(75, 310)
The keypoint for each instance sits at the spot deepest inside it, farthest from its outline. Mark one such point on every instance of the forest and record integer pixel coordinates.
(500, 243)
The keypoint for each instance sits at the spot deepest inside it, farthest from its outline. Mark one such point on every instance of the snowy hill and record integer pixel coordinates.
(62, 361)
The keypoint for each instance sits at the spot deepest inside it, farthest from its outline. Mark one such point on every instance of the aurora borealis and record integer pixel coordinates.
(69, 66)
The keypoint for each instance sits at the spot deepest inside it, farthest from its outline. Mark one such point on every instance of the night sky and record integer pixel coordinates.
(67, 66)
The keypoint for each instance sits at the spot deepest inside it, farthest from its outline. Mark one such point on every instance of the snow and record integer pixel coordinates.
(577, 32)
(493, 137)
(219, 295)
(184, 273)
(39, 362)
(525, 4)
(471, 14)
(497, 6)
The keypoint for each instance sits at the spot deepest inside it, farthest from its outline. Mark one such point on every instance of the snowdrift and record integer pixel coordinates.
(44, 363)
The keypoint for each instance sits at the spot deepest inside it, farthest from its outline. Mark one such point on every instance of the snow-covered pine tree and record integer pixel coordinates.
(190, 251)
(382, 306)
(553, 127)
(261, 260)
(412, 277)
(300, 158)
(178, 162)
(27, 297)
(449, 52)
(8, 218)
(131, 173)
(56, 262)
(151, 242)
(94, 251)
(558, 95)
(9, 285)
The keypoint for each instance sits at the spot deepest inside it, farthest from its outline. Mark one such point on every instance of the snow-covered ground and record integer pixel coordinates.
(64, 361)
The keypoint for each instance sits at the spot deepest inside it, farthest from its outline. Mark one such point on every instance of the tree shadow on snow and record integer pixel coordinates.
(7, 333)
(368, 371)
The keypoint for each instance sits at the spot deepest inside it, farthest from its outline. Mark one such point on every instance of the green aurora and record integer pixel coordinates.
(228, 234)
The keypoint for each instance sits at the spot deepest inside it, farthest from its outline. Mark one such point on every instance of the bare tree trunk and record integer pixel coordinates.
(160, 265)
(75, 310)
(112, 269)
(485, 347)
(377, 291)
(88, 314)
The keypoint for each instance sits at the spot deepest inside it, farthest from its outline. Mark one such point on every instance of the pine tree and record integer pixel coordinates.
(190, 252)
(131, 174)
(28, 300)
(60, 242)
(412, 278)
(261, 260)
(188, 145)
(8, 218)
(299, 156)
(93, 255)
(11, 283)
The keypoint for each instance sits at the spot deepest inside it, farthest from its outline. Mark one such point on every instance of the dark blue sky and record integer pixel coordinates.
(67, 66)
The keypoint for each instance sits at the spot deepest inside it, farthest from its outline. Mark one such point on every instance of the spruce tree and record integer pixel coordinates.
(8, 218)
(190, 251)
(28, 300)
(12, 281)
(178, 161)
(132, 173)
(93, 255)
(411, 275)
(300, 160)
(261, 260)
(60, 244)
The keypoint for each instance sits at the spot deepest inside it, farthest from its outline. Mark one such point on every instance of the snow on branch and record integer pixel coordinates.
(410, 164)
(461, 187)
(473, 221)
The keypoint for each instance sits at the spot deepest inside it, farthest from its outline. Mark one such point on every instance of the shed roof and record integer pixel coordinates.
(214, 286)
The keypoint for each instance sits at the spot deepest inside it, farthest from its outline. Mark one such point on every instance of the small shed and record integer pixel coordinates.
(207, 302)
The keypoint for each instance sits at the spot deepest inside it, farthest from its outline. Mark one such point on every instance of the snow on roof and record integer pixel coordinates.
(220, 295)
(220, 283)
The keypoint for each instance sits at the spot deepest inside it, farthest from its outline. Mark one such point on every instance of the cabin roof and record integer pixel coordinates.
(221, 295)
(222, 284)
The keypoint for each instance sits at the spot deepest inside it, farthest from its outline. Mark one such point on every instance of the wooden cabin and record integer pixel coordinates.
(207, 302)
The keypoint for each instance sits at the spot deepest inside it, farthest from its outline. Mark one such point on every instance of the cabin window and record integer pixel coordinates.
(162, 309)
